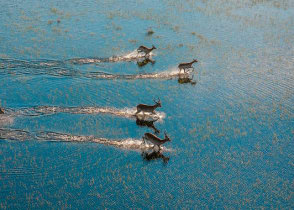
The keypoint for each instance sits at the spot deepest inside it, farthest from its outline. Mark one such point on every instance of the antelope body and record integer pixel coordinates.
(148, 108)
(156, 141)
(185, 66)
(145, 50)
(1, 111)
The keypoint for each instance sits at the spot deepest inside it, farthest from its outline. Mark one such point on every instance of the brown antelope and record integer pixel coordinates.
(155, 140)
(145, 50)
(185, 66)
(148, 108)
(1, 111)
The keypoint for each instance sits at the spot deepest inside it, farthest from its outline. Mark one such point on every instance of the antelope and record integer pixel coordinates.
(145, 50)
(156, 141)
(149, 124)
(1, 111)
(185, 66)
(148, 108)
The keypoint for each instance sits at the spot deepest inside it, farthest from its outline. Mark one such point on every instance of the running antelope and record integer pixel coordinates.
(155, 140)
(185, 66)
(148, 108)
(145, 50)
(1, 111)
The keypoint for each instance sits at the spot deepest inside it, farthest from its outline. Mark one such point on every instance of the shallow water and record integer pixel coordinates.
(71, 78)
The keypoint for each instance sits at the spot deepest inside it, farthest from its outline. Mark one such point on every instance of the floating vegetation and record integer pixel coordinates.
(150, 32)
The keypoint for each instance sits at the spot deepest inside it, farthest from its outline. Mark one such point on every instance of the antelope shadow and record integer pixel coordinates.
(149, 156)
(185, 79)
(142, 63)
(142, 122)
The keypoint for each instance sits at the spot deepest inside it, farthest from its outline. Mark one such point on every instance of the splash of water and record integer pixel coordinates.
(60, 69)
(128, 143)
(169, 74)
(6, 120)
(46, 110)
(132, 56)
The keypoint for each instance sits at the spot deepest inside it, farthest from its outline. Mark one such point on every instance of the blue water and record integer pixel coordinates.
(70, 80)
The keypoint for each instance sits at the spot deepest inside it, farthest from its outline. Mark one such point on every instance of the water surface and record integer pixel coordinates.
(71, 79)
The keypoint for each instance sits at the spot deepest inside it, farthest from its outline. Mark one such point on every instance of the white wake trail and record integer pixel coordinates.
(128, 143)
(6, 120)
(90, 110)
(125, 112)
(131, 56)
(169, 74)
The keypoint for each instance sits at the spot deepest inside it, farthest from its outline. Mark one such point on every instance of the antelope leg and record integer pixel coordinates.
(138, 111)
(143, 140)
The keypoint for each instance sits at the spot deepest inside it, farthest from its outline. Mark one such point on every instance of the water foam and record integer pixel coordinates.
(6, 120)
(128, 143)
(169, 74)
(60, 69)
(131, 56)
(47, 110)
(134, 55)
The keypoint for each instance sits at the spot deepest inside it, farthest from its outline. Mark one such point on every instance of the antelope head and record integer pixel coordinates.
(195, 61)
(153, 47)
(157, 103)
(166, 137)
